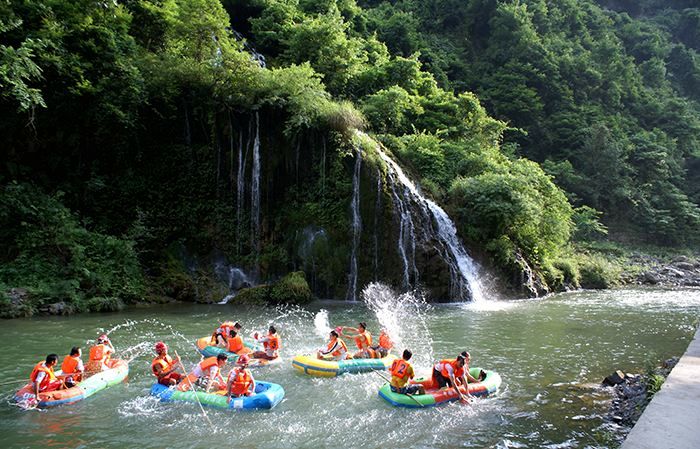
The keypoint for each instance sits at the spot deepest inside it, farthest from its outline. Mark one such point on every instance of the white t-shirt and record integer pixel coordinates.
(211, 373)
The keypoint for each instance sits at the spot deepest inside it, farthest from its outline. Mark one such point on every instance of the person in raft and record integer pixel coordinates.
(450, 373)
(100, 354)
(240, 379)
(163, 366)
(271, 344)
(220, 335)
(43, 377)
(401, 372)
(384, 346)
(235, 344)
(209, 368)
(363, 339)
(72, 368)
(336, 349)
(470, 378)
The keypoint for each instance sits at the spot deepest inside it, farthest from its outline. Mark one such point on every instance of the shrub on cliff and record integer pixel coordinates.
(291, 289)
(45, 250)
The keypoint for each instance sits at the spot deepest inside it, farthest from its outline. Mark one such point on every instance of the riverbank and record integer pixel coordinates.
(671, 419)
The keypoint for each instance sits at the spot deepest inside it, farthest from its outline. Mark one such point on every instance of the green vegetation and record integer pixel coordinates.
(128, 129)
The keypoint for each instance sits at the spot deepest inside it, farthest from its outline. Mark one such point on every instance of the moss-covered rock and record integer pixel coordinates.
(258, 295)
(291, 289)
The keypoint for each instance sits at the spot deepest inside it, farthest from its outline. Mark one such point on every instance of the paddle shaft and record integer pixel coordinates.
(194, 392)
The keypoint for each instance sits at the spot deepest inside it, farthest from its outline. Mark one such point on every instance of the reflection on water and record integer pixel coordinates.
(551, 353)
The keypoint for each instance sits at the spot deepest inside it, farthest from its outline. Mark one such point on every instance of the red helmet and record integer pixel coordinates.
(243, 360)
(102, 338)
(160, 347)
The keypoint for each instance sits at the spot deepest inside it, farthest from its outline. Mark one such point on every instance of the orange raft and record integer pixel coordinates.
(117, 372)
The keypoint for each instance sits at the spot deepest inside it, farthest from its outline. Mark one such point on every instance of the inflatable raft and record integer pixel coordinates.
(309, 364)
(207, 349)
(434, 396)
(267, 395)
(119, 370)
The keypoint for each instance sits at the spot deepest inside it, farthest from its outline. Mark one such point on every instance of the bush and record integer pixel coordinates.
(597, 272)
(255, 296)
(291, 289)
(47, 252)
(101, 304)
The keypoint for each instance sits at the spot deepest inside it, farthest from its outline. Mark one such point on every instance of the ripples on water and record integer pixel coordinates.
(551, 353)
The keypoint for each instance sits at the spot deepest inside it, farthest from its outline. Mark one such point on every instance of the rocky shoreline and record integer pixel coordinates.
(682, 271)
(633, 392)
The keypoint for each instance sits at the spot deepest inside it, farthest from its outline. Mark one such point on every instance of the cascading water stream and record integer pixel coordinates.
(463, 269)
(356, 227)
(255, 193)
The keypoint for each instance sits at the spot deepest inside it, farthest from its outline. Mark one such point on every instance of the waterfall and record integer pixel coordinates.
(407, 238)
(463, 270)
(255, 192)
(240, 190)
(377, 214)
(323, 168)
(356, 228)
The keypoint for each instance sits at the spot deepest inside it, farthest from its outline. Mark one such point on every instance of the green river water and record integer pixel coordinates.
(551, 354)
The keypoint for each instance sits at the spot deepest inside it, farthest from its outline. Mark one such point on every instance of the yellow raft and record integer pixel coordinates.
(311, 365)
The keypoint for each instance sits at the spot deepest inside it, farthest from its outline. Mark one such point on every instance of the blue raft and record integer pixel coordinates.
(267, 395)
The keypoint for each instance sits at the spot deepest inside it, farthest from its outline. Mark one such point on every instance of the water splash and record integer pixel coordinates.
(322, 326)
(404, 317)
(356, 227)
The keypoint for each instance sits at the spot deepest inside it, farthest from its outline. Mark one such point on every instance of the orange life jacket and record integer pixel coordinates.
(42, 368)
(70, 364)
(206, 364)
(235, 344)
(241, 381)
(458, 372)
(364, 337)
(338, 352)
(272, 343)
(164, 363)
(100, 353)
(385, 341)
(226, 326)
(399, 368)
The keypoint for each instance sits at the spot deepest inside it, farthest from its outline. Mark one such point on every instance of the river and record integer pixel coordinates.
(551, 353)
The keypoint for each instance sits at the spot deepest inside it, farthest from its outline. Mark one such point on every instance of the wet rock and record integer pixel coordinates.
(17, 295)
(685, 266)
(57, 308)
(615, 378)
(670, 271)
(651, 278)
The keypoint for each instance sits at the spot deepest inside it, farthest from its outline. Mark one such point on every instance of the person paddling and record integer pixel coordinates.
(240, 379)
(271, 344)
(72, 368)
(209, 368)
(363, 339)
(335, 350)
(43, 377)
(446, 372)
(163, 366)
(100, 354)
(401, 372)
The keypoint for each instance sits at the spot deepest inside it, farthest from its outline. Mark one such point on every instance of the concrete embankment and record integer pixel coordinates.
(672, 419)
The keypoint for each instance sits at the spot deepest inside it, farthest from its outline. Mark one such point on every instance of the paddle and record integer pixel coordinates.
(409, 395)
(194, 392)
